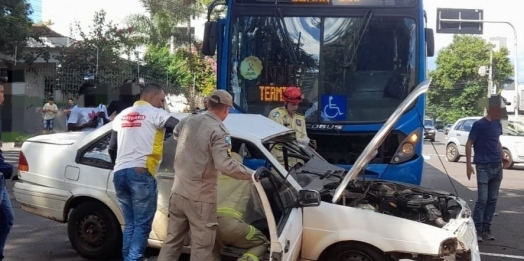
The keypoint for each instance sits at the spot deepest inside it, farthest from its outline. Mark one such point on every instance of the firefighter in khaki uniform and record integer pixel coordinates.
(288, 116)
(238, 206)
(203, 149)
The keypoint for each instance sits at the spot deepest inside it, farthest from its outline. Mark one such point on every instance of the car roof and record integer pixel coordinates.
(240, 125)
(469, 118)
(253, 125)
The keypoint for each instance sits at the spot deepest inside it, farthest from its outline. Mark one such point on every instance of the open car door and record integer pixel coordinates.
(283, 208)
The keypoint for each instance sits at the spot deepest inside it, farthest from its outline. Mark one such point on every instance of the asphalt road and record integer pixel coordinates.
(37, 239)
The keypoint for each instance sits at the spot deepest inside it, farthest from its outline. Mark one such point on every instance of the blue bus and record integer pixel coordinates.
(354, 60)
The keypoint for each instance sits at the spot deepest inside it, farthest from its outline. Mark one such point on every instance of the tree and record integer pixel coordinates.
(16, 29)
(457, 87)
(105, 40)
(192, 73)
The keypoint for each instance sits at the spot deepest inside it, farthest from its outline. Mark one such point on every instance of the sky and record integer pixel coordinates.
(501, 10)
(63, 13)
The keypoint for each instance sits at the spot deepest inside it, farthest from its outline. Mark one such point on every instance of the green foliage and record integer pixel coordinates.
(186, 69)
(16, 29)
(110, 41)
(457, 87)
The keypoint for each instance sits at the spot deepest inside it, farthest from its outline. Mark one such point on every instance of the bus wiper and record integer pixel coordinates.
(287, 42)
(362, 30)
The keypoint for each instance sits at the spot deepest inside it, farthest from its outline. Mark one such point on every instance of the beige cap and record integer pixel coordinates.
(221, 96)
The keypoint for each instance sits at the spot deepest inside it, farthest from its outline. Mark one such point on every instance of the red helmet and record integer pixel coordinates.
(292, 94)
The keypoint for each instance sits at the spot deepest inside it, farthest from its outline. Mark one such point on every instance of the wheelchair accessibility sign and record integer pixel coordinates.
(334, 107)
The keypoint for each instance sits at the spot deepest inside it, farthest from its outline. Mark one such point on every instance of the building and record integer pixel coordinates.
(36, 6)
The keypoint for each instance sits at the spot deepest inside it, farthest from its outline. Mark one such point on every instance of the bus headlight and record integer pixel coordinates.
(406, 150)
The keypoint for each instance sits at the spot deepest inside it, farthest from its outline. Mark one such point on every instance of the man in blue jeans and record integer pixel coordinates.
(136, 147)
(6, 209)
(484, 137)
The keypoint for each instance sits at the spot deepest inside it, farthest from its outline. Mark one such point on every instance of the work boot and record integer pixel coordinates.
(479, 236)
(487, 235)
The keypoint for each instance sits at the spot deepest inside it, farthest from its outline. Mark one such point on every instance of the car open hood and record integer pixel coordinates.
(371, 149)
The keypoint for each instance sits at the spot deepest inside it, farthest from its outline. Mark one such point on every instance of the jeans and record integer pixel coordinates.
(137, 196)
(7, 216)
(489, 177)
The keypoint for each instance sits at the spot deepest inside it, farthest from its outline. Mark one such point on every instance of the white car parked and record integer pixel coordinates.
(512, 140)
(67, 177)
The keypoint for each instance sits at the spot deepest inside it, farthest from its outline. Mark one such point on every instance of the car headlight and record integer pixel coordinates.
(448, 247)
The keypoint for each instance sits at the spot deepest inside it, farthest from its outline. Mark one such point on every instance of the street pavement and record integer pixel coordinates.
(37, 239)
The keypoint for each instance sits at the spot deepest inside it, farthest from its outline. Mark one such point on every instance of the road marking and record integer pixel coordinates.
(428, 156)
(502, 255)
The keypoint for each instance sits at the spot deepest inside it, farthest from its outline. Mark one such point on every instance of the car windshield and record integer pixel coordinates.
(349, 63)
(428, 123)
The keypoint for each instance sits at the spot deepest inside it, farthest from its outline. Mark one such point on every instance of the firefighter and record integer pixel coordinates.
(288, 116)
(238, 205)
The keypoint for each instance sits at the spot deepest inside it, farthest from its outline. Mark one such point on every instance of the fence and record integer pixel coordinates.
(62, 84)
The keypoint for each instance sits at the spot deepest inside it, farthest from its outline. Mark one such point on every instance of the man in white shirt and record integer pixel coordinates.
(91, 116)
(136, 149)
(50, 110)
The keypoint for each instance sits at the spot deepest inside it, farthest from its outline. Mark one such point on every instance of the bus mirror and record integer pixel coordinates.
(210, 38)
(430, 42)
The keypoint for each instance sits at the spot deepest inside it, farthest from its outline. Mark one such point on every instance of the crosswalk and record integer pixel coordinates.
(11, 156)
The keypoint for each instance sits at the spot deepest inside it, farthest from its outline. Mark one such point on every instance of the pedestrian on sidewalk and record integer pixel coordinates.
(7, 215)
(50, 110)
(489, 160)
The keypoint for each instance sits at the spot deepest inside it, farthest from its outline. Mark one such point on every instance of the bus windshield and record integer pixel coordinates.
(350, 69)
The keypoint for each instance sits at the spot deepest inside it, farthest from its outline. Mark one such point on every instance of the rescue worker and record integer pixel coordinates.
(238, 206)
(289, 117)
(135, 149)
(203, 149)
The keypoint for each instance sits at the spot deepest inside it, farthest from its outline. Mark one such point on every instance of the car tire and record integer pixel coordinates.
(353, 251)
(94, 231)
(452, 153)
(432, 139)
(508, 155)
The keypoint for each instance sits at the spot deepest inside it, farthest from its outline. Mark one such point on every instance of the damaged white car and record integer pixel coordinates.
(314, 211)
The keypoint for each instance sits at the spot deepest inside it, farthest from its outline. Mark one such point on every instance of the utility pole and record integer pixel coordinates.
(490, 76)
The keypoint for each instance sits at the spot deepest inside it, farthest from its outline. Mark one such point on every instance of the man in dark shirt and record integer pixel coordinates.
(484, 137)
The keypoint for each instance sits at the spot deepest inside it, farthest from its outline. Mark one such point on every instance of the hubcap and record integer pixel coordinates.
(451, 152)
(92, 230)
(353, 255)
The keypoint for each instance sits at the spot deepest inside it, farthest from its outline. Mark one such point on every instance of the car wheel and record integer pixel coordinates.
(432, 140)
(94, 231)
(507, 155)
(452, 153)
(354, 252)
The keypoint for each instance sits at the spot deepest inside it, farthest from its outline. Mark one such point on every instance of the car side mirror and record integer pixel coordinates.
(244, 152)
(308, 198)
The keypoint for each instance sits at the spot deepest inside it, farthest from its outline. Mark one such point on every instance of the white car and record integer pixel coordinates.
(67, 177)
(512, 140)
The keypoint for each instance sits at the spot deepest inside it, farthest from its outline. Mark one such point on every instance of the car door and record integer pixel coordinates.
(284, 220)
(165, 177)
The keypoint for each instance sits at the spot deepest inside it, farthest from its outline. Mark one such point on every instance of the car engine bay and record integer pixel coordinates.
(393, 199)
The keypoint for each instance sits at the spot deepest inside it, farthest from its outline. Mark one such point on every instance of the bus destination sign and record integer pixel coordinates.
(364, 3)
